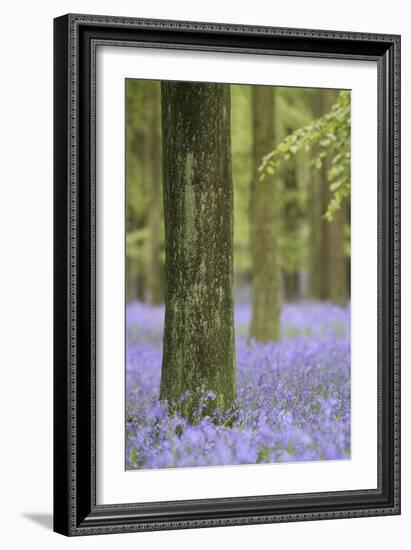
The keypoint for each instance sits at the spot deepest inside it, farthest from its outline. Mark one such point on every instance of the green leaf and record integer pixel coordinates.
(263, 456)
(336, 185)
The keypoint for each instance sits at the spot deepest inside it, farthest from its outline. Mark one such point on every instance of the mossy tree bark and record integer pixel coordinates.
(155, 214)
(263, 246)
(198, 352)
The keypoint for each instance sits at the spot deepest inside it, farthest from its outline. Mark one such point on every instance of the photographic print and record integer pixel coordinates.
(226, 274)
(237, 274)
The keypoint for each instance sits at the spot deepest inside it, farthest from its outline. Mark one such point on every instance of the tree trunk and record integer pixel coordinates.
(131, 279)
(336, 269)
(263, 247)
(347, 241)
(291, 286)
(328, 269)
(141, 280)
(318, 225)
(137, 186)
(337, 265)
(317, 264)
(155, 215)
(198, 353)
(291, 224)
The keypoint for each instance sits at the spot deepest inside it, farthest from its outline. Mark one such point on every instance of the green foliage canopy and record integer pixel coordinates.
(331, 134)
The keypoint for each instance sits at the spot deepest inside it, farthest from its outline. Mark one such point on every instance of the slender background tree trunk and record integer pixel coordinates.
(328, 267)
(263, 246)
(337, 262)
(318, 225)
(141, 280)
(156, 268)
(291, 220)
(336, 266)
(198, 353)
(136, 280)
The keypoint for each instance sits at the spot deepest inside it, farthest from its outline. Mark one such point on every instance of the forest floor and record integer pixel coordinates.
(293, 395)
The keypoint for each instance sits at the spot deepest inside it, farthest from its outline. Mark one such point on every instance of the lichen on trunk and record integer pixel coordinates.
(198, 351)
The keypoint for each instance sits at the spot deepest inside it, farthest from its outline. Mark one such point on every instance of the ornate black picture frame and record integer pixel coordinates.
(76, 38)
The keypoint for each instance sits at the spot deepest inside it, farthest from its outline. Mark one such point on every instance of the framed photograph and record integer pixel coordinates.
(227, 276)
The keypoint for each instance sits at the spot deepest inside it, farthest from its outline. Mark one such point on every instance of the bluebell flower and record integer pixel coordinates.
(293, 396)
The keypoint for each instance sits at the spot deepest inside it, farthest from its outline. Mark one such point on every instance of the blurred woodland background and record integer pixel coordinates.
(313, 253)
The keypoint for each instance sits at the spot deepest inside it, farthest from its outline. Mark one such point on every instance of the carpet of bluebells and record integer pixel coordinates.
(293, 395)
